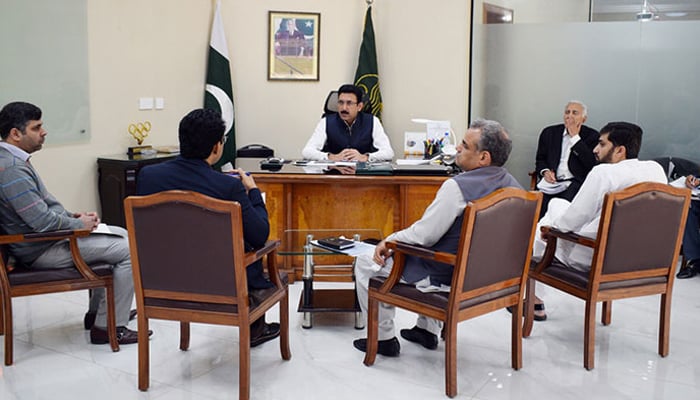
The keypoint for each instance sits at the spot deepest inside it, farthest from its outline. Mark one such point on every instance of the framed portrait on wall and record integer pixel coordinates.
(293, 46)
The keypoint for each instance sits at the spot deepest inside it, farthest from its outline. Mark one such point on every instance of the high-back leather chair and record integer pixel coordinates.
(489, 274)
(17, 281)
(634, 254)
(189, 265)
(330, 106)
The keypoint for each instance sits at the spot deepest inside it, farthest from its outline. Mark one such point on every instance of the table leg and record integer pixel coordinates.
(308, 278)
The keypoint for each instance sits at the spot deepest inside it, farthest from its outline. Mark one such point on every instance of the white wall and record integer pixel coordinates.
(140, 48)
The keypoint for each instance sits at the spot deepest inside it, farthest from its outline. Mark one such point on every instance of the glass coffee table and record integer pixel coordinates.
(333, 266)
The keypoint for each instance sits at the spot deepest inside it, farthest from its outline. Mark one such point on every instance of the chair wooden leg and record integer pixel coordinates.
(144, 351)
(372, 330)
(529, 308)
(111, 317)
(451, 358)
(2, 319)
(184, 335)
(284, 326)
(244, 361)
(589, 336)
(7, 327)
(517, 337)
(664, 324)
(606, 317)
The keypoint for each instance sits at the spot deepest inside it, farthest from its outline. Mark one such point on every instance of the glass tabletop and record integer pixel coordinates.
(298, 241)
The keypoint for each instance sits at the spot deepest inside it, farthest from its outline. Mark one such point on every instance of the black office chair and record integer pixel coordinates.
(331, 104)
(676, 167)
(255, 151)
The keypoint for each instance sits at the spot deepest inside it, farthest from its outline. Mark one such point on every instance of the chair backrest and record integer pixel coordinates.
(641, 228)
(496, 239)
(331, 104)
(187, 246)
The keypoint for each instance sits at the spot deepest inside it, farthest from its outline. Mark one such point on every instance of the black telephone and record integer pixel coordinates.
(255, 151)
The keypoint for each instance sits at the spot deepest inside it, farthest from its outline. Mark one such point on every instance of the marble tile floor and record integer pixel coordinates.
(54, 360)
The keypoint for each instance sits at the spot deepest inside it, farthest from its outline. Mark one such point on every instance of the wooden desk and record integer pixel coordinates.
(297, 200)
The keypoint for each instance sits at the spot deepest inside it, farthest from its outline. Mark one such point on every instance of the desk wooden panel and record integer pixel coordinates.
(307, 201)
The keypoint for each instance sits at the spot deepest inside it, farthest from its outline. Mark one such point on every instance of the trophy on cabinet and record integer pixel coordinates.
(139, 131)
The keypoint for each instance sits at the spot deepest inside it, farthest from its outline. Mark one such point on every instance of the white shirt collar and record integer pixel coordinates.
(16, 151)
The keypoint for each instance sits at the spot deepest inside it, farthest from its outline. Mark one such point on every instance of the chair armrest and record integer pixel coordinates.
(548, 231)
(551, 235)
(422, 252)
(44, 236)
(71, 235)
(533, 179)
(400, 251)
(253, 256)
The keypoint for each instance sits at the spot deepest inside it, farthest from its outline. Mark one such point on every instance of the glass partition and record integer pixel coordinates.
(524, 74)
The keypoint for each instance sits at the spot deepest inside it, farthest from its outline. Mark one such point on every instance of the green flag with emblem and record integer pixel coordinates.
(367, 74)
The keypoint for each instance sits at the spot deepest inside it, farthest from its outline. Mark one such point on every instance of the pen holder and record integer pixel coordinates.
(431, 151)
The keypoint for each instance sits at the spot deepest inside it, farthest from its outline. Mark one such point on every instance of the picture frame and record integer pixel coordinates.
(293, 46)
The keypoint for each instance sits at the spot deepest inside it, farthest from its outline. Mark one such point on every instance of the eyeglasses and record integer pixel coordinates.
(346, 103)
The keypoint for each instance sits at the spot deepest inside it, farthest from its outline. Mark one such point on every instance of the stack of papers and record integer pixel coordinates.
(680, 183)
(411, 161)
(552, 188)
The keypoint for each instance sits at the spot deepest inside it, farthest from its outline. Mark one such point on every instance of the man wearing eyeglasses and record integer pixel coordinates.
(349, 134)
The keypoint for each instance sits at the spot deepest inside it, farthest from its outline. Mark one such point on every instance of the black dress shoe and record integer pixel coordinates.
(688, 272)
(420, 336)
(124, 335)
(387, 348)
(90, 317)
(537, 317)
(271, 331)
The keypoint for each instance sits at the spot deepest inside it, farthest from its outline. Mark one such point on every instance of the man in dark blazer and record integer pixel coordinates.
(201, 136)
(565, 154)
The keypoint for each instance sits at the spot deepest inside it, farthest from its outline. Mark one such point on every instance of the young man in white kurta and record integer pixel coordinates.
(617, 151)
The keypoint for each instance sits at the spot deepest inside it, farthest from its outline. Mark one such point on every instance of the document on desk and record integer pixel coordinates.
(680, 183)
(411, 161)
(358, 249)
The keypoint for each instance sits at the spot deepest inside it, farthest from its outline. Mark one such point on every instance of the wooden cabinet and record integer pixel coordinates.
(117, 175)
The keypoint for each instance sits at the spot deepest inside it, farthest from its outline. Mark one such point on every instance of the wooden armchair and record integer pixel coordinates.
(17, 281)
(189, 265)
(489, 274)
(634, 254)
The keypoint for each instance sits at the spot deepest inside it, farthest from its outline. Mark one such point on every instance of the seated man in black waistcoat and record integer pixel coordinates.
(349, 134)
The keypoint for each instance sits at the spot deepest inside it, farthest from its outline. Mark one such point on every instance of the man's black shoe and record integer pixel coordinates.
(90, 317)
(420, 336)
(124, 335)
(271, 331)
(387, 348)
(688, 272)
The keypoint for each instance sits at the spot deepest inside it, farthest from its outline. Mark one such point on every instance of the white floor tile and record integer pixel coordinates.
(54, 360)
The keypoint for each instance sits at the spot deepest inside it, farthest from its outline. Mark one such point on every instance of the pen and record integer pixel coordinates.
(233, 173)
